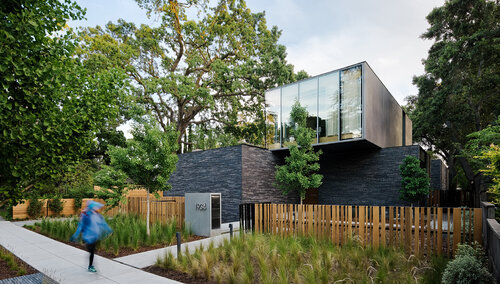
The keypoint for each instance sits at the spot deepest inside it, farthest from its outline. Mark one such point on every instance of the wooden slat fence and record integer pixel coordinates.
(162, 209)
(421, 230)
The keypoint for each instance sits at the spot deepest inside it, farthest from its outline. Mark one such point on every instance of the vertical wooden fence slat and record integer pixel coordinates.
(417, 230)
(382, 235)
(375, 230)
(439, 231)
(471, 224)
(422, 231)
(408, 224)
(349, 221)
(478, 224)
(391, 225)
(428, 227)
(456, 228)
(361, 217)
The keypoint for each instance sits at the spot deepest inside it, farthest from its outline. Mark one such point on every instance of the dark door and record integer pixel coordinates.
(216, 212)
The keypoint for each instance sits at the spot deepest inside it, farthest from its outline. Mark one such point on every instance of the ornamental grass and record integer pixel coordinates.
(258, 258)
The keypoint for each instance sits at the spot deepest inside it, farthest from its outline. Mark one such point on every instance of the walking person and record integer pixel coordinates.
(93, 228)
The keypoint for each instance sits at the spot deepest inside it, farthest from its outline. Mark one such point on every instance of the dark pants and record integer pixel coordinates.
(91, 249)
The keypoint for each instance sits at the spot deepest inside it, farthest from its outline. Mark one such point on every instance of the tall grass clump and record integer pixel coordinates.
(258, 258)
(129, 231)
(9, 259)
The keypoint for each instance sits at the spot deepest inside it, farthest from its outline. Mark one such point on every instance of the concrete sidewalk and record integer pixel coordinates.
(67, 264)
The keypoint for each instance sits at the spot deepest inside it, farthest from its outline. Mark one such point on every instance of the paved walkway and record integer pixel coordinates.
(67, 264)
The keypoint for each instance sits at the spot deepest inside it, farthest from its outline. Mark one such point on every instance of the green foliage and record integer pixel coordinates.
(415, 183)
(51, 105)
(458, 94)
(299, 172)
(129, 232)
(113, 185)
(434, 274)
(205, 63)
(9, 258)
(257, 258)
(149, 158)
(467, 267)
(56, 205)
(485, 151)
(34, 207)
(77, 180)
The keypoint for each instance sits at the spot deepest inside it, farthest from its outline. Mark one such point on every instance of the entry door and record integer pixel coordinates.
(216, 218)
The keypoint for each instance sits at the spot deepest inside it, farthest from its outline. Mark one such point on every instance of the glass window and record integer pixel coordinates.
(289, 94)
(308, 97)
(350, 99)
(328, 126)
(273, 118)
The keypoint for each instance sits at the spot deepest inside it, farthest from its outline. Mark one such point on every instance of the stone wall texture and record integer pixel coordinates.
(216, 171)
(258, 177)
(363, 177)
(245, 174)
(439, 175)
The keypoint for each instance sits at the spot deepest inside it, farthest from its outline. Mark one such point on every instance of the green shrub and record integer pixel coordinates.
(467, 267)
(35, 208)
(56, 205)
(435, 273)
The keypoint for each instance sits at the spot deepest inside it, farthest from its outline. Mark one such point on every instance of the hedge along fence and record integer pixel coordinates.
(20, 211)
(162, 209)
(418, 229)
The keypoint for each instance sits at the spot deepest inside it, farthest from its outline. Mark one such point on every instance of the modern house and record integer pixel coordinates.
(362, 130)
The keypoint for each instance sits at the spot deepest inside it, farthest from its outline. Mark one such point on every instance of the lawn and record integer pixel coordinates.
(129, 234)
(257, 258)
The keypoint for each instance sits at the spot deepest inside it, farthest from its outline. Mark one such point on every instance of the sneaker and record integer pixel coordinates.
(92, 269)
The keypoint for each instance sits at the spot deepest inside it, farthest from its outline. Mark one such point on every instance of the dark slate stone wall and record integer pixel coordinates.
(363, 177)
(217, 170)
(436, 171)
(258, 177)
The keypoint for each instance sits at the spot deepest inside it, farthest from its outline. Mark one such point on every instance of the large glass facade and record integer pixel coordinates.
(289, 95)
(329, 107)
(308, 98)
(350, 103)
(333, 101)
(273, 114)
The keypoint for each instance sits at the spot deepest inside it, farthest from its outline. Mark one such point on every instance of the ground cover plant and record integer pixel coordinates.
(11, 266)
(256, 258)
(129, 233)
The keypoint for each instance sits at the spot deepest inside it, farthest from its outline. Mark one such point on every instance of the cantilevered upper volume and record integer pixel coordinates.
(345, 105)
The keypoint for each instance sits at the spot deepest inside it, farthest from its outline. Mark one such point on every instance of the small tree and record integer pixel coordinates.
(299, 172)
(415, 183)
(113, 185)
(149, 158)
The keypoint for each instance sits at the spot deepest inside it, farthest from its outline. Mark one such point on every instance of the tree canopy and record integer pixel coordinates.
(299, 173)
(211, 70)
(415, 183)
(149, 158)
(50, 104)
(458, 94)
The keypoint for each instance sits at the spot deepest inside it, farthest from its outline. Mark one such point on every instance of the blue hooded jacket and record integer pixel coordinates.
(92, 225)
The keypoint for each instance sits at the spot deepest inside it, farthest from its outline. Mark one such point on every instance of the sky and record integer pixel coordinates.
(324, 35)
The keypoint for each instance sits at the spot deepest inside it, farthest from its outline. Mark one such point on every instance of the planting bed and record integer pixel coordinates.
(11, 266)
(272, 259)
(129, 235)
